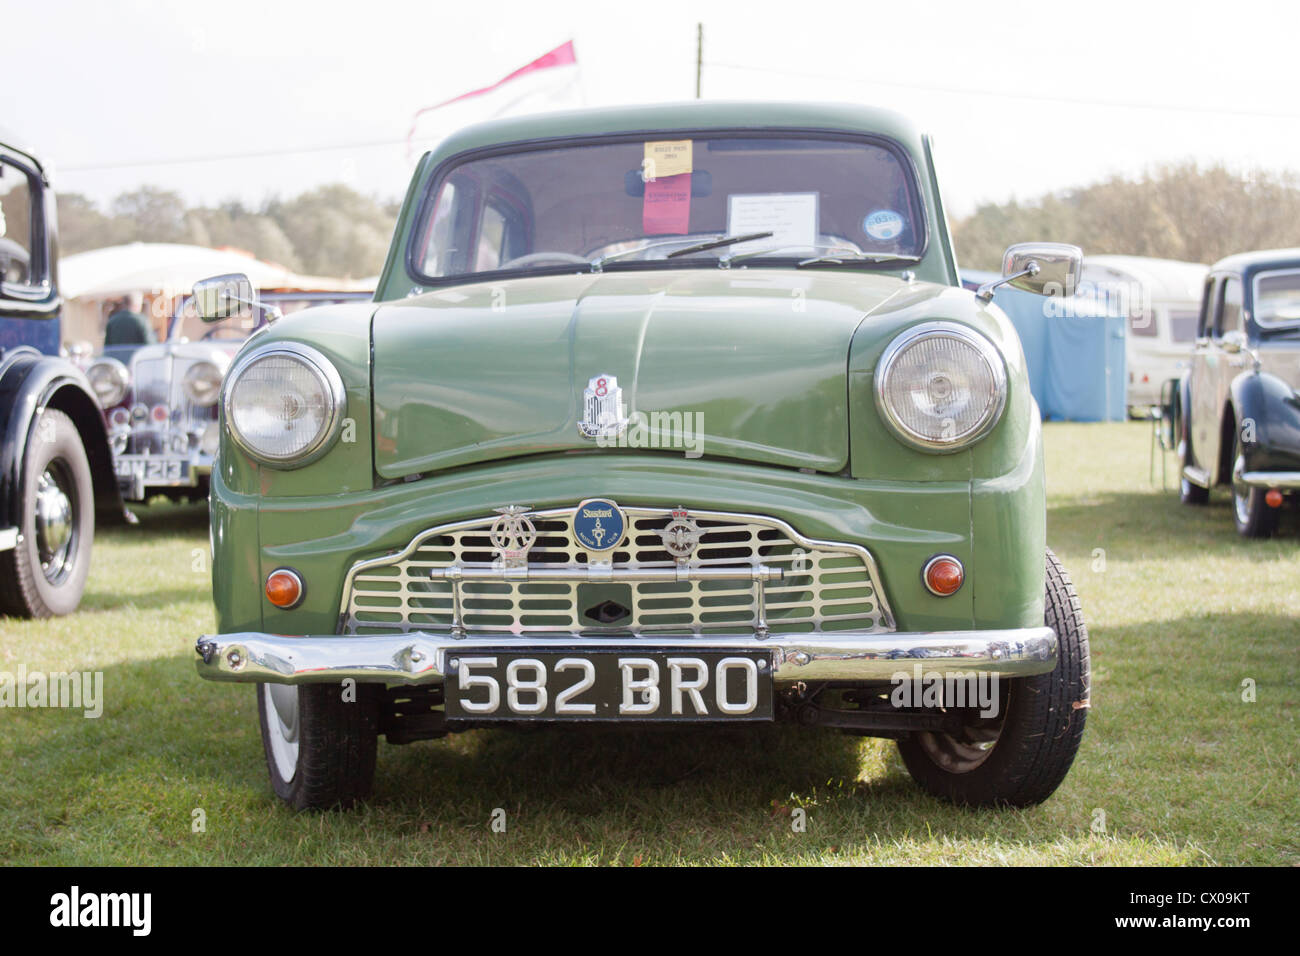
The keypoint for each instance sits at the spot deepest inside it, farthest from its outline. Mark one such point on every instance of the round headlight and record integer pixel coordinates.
(202, 383)
(109, 379)
(941, 387)
(284, 404)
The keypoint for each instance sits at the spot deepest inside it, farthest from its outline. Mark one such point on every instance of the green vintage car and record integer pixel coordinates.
(661, 415)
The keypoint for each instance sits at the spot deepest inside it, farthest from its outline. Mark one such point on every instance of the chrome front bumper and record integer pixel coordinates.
(421, 657)
(1271, 479)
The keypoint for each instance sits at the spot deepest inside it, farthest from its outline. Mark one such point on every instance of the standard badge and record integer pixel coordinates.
(598, 525)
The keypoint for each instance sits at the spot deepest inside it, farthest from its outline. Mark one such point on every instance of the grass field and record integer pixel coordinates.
(1175, 767)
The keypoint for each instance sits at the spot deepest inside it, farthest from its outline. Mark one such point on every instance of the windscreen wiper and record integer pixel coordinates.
(867, 257)
(718, 243)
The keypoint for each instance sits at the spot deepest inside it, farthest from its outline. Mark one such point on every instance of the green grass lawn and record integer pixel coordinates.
(1180, 612)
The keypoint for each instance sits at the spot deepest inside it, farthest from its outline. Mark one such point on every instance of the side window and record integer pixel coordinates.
(1205, 321)
(491, 239)
(21, 262)
(1229, 311)
(1143, 324)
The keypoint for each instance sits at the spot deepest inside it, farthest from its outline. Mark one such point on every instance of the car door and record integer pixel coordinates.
(1201, 382)
(1224, 360)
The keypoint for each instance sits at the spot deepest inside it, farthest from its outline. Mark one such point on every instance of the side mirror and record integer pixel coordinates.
(1043, 268)
(224, 297)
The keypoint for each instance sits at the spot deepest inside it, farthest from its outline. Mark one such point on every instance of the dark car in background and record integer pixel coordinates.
(56, 471)
(1238, 416)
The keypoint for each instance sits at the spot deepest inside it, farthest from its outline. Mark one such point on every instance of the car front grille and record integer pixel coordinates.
(824, 586)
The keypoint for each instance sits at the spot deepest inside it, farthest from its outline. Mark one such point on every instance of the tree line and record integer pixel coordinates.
(1175, 211)
(328, 231)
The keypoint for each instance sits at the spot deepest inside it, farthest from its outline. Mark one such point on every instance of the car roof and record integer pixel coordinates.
(688, 115)
(1244, 262)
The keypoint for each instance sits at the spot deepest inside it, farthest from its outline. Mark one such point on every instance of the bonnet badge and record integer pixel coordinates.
(603, 414)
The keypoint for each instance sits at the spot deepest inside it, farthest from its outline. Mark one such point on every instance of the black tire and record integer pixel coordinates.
(337, 740)
(1041, 729)
(38, 579)
(1250, 512)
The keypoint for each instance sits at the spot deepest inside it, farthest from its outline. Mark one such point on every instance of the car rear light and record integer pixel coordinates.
(1273, 498)
(284, 588)
(943, 575)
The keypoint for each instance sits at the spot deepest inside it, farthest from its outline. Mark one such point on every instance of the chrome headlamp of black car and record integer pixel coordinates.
(202, 383)
(941, 387)
(284, 404)
(109, 379)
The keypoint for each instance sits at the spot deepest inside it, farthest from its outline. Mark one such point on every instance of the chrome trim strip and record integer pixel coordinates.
(1271, 479)
(596, 572)
(1197, 476)
(421, 657)
(635, 511)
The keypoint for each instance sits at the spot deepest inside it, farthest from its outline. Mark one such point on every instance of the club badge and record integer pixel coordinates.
(512, 535)
(598, 525)
(681, 536)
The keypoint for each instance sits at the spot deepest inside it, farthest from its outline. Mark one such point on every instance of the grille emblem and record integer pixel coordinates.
(603, 414)
(682, 536)
(598, 525)
(512, 535)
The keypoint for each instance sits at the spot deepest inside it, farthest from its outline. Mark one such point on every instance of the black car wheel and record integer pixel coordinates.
(320, 743)
(1020, 759)
(1250, 511)
(45, 573)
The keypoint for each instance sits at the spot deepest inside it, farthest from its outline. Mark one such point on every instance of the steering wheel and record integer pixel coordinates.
(533, 258)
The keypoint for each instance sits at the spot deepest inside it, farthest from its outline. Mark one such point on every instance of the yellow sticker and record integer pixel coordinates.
(666, 158)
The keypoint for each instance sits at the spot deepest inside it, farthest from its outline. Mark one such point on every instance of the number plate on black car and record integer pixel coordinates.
(609, 684)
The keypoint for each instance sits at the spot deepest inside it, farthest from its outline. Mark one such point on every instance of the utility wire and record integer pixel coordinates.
(919, 87)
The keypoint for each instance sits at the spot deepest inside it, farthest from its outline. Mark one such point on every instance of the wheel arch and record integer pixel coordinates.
(1270, 405)
(29, 383)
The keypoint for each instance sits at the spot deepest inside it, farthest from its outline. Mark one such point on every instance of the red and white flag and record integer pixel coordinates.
(550, 82)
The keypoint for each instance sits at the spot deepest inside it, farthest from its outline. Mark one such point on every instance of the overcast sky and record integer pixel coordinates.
(1022, 97)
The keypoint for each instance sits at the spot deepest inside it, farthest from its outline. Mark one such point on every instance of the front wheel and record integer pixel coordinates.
(44, 574)
(1020, 760)
(320, 742)
(1251, 513)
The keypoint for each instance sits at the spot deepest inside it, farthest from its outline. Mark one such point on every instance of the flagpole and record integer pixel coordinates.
(699, 57)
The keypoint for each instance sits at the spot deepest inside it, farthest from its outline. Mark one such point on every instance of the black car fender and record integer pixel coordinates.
(1267, 415)
(30, 382)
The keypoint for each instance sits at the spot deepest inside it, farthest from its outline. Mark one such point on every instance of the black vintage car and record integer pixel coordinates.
(1239, 411)
(56, 470)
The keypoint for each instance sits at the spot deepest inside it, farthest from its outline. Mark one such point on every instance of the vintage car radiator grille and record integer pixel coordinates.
(824, 587)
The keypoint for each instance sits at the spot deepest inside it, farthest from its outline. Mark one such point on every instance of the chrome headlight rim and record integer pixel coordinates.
(187, 385)
(327, 375)
(986, 349)
(118, 369)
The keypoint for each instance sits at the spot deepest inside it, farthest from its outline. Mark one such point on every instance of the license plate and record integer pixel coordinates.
(614, 684)
(152, 468)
